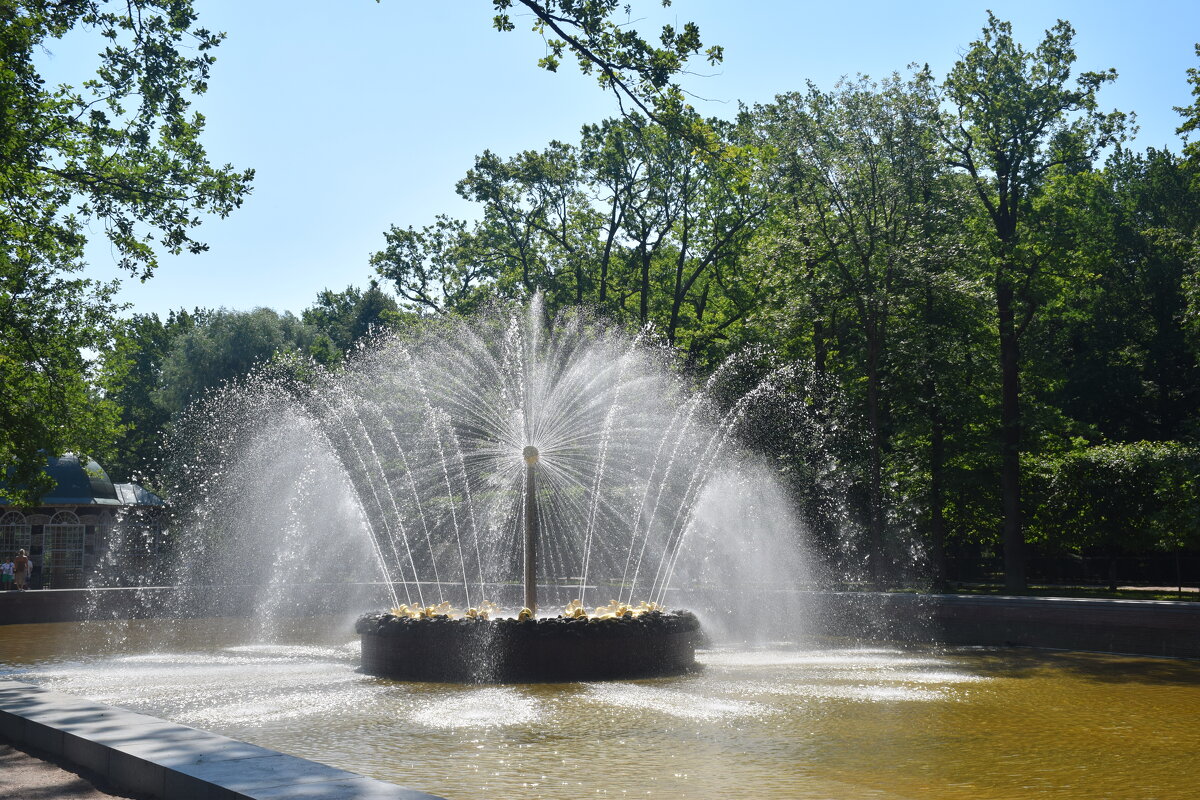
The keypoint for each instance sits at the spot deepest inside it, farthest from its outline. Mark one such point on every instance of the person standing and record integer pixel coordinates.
(6, 575)
(21, 569)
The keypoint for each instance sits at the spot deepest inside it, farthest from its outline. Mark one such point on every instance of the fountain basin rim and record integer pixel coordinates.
(551, 649)
(679, 620)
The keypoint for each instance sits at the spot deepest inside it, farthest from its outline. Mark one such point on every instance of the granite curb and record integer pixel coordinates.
(161, 759)
(1159, 628)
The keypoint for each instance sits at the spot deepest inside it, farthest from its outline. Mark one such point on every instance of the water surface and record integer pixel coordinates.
(778, 722)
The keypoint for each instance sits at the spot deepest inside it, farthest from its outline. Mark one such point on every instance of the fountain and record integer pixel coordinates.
(436, 644)
(504, 466)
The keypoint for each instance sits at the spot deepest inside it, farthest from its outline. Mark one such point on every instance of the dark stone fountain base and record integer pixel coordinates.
(557, 649)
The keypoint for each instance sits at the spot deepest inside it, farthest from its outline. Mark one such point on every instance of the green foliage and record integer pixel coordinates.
(632, 220)
(131, 370)
(876, 249)
(437, 268)
(1188, 243)
(608, 47)
(864, 201)
(949, 297)
(222, 346)
(1115, 359)
(1191, 115)
(122, 149)
(155, 368)
(1127, 497)
(1016, 120)
(1017, 117)
(342, 319)
(48, 404)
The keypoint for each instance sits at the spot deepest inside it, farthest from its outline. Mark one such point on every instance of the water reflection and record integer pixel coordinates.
(778, 723)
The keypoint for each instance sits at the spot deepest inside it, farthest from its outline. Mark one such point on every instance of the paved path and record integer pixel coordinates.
(27, 777)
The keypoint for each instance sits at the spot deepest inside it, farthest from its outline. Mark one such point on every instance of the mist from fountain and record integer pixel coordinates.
(643, 493)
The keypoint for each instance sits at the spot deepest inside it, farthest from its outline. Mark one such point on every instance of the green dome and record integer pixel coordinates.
(79, 482)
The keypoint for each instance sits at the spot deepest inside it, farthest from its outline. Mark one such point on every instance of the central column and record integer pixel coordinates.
(530, 454)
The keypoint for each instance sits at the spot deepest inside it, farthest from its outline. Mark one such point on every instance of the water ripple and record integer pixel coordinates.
(479, 708)
(684, 705)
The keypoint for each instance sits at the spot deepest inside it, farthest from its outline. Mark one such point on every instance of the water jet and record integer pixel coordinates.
(494, 459)
(437, 644)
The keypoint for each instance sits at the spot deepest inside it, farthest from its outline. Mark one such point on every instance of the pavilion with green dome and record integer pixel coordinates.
(68, 533)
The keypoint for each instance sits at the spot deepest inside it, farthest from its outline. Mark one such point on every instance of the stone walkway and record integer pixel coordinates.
(27, 777)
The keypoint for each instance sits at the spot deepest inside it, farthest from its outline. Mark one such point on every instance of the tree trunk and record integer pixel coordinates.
(644, 307)
(604, 259)
(820, 347)
(937, 491)
(677, 299)
(875, 478)
(938, 571)
(1010, 428)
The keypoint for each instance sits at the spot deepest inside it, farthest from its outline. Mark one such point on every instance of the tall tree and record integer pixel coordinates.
(131, 372)
(1113, 357)
(121, 149)
(1016, 118)
(1191, 245)
(531, 210)
(48, 404)
(862, 164)
(632, 219)
(438, 269)
(604, 156)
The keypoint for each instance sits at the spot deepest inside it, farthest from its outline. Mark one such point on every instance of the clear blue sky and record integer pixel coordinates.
(358, 115)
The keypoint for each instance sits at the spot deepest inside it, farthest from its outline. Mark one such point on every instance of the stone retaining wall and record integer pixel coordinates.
(147, 755)
(1142, 627)
(1136, 627)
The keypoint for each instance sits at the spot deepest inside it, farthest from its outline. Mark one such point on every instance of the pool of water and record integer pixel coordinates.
(772, 722)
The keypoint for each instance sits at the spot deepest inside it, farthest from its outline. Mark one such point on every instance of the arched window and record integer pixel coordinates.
(62, 562)
(15, 534)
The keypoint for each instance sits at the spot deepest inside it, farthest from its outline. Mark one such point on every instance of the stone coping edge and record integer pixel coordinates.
(147, 755)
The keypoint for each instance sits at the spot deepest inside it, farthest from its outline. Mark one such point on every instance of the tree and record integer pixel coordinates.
(155, 368)
(528, 203)
(1191, 245)
(633, 68)
(862, 167)
(439, 269)
(1122, 498)
(1016, 119)
(131, 372)
(1191, 114)
(341, 319)
(1113, 356)
(121, 149)
(720, 201)
(48, 405)
(223, 346)
(632, 219)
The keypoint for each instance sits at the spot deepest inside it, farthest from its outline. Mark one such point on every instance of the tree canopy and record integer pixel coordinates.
(122, 149)
(636, 70)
